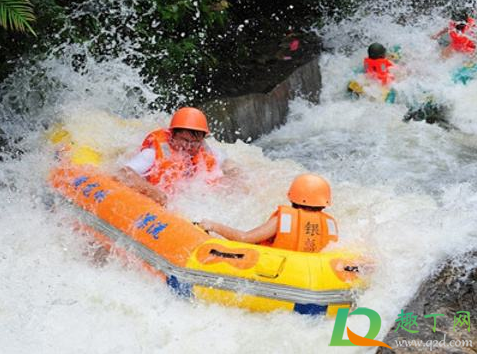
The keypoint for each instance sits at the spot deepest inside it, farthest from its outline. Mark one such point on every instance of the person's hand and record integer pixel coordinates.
(230, 169)
(160, 198)
(207, 225)
(232, 172)
(156, 195)
(233, 176)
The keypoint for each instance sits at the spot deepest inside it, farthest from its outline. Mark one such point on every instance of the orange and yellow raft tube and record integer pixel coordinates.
(197, 265)
(192, 262)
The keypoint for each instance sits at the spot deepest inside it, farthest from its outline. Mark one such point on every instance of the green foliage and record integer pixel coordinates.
(167, 39)
(17, 15)
(186, 50)
(206, 12)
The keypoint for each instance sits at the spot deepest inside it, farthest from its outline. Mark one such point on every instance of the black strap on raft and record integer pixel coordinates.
(226, 255)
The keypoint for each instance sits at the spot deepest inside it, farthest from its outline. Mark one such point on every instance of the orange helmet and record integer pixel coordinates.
(310, 190)
(189, 118)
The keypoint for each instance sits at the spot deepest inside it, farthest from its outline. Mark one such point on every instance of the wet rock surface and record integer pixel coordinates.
(280, 75)
(452, 292)
(3, 143)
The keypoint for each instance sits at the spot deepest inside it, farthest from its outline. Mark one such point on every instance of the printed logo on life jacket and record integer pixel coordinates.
(150, 223)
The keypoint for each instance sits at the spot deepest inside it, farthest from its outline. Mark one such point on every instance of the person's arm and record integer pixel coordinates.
(398, 71)
(128, 176)
(256, 235)
(440, 33)
(131, 173)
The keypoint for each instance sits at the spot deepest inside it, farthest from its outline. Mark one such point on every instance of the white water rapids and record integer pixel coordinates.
(405, 191)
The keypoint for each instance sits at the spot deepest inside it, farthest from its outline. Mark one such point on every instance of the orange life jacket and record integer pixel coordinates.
(462, 41)
(169, 165)
(379, 69)
(302, 230)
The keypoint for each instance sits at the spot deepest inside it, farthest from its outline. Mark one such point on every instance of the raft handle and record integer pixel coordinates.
(226, 255)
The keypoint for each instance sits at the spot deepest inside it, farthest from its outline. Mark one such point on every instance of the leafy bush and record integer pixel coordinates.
(17, 15)
(187, 50)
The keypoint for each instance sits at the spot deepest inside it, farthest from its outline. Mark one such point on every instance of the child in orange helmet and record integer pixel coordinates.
(303, 226)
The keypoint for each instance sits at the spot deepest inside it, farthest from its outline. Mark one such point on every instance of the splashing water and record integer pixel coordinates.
(404, 190)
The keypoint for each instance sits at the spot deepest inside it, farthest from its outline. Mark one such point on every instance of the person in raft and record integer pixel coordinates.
(177, 153)
(377, 66)
(461, 34)
(303, 226)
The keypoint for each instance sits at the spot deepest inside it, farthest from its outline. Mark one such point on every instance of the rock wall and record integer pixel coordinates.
(452, 290)
(3, 143)
(249, 116)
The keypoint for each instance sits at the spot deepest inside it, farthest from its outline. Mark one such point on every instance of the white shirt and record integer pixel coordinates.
(144, 160)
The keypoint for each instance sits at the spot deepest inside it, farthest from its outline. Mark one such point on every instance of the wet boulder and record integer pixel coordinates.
(262, 104)
(450, 293)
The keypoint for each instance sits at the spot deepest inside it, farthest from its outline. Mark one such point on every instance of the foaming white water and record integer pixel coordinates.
(406, 191)
(55, 299)
(422, 71)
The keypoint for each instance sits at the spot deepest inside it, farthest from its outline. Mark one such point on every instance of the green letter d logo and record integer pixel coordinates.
(354, 339)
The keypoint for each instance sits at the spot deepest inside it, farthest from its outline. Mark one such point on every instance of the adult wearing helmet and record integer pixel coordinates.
(376, 65)
(460, 34)
(173, 154)
(303, 226)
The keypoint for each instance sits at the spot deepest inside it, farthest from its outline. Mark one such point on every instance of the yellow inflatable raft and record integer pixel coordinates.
(197, 265)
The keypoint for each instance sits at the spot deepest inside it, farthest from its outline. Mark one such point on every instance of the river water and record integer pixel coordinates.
(404, 191)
